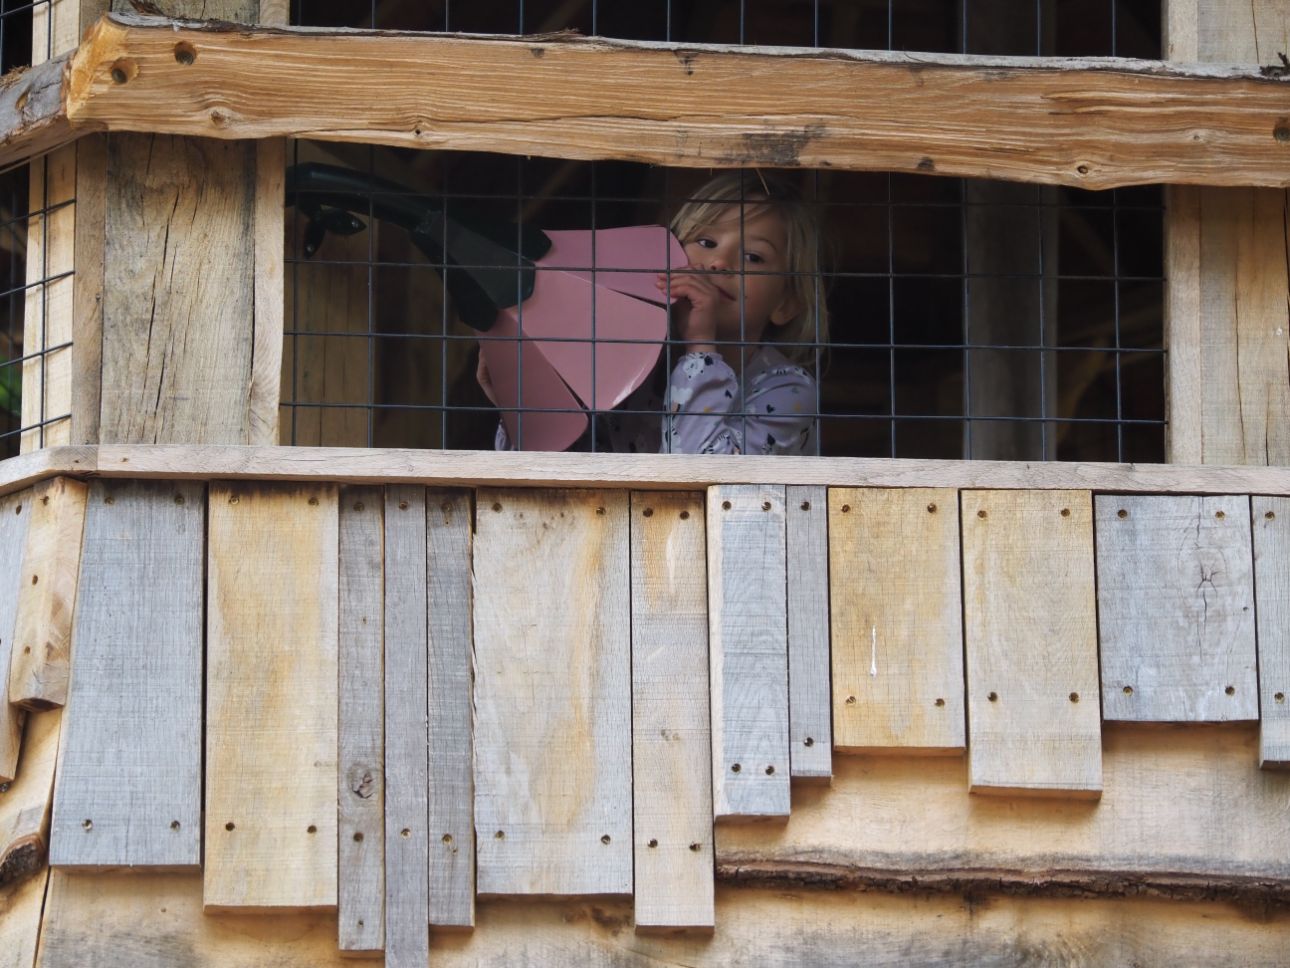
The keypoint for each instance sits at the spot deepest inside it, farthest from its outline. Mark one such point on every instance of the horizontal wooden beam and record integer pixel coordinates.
(32, 115)
(1092, 123)
(464, 468)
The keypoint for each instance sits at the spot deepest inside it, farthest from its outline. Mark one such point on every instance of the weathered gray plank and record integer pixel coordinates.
(1030, 643)
(451, 669)
(810, 717)
(1176, 608)
(671, 738)
(15, 512)
(748, 650)
(552, 692)
(128, 786)
(360, 872)
(1271, 519)
(407, 914)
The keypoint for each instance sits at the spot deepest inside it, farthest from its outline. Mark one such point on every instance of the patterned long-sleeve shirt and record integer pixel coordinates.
(707, 412)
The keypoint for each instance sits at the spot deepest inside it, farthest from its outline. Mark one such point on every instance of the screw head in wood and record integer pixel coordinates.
(993, 697)
(647, 513)
(1281, 133)
(1122, 513)
(604, 839)
(765, 505)
(735, 767)
(1230, 690)
(685, 515)
(652, 843)
(725, 505)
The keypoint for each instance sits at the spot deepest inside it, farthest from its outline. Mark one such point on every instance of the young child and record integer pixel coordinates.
(751, 283)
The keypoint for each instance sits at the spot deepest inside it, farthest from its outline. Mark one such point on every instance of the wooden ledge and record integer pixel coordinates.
(1092, 123)
(352, 465)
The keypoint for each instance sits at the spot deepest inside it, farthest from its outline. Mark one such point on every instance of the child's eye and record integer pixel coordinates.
(705, 243)
(754, 257)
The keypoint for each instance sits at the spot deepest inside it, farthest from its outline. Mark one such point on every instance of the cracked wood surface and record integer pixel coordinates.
(1092, 123)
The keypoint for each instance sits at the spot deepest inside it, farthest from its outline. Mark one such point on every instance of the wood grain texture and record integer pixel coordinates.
(552, 692)
(361, 789)
(15, 513)
(153, 921)
(269, 271)
(128, 791)
(671, 732)
(33, 120)
(21, 906)
(179, 305)
(620, 471)
(1030, 643)
(897, 620)
(87, 289)
(1225, 271)
(25, 803)
(42, 650)
(810, 712)
(271, 697)
(1176, 608)
(1184, 814)
(1270, 518)
(598, 99)
(748, 651)
(450, 689)
(407, 737)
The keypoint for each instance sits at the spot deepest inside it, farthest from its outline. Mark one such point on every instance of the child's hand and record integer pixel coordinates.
(485, 379)
(696, 315)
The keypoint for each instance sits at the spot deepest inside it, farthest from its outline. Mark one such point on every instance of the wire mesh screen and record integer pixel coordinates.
(35, 261)
(955, 318)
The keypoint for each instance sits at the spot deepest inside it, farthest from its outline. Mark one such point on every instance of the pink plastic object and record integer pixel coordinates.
(584, 338)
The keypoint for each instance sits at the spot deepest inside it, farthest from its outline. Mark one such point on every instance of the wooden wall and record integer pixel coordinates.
(580, 689)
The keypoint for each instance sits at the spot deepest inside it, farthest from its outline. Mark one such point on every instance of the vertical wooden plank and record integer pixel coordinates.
(810, 716)
(269, 274)
(361, 795)
(42, 649)
(15, 514)
(87, 296)
(897, 620)
(1176, 608)
(1271, 519)
(25, 802)
(21, 906)
(407, 811)
(748, 650)
(553, 792)
(1031, 643)
(271, 696)
(128, 791)
(451, 679)
(671, 739)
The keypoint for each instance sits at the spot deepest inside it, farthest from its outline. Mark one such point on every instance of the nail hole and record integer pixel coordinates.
(446, 838)
(1230, 690)
(652, 843)
(806, 505)
(312, 829)
(725, 505)
(993, 697)
(179, 499)
(940, 701)
(696, 847)
(1066, 512)
(358, 505)
(735, 768)
(765, 505)
(361, 922)
(500, 835)
(931, 509)
(1280, 697)
(770, 771)
(809, 741)
(497, 506)
(1128, 690)
(1220, 514)
(851, 700)
(233, 499)
(685, 515)
(600, 511)
(403, 505)
(185, 53)
(1082, 169)
(109, 500)
(981, 513)
(846, 509)
(1281, 133)
(87, 824)
(34, 579)
(1074, 697)
(358, 837)
(405, 832)
(1270, 515)
(647, 513)
(1121, 513)
(230, 825)
(604, 838)
(174, 825)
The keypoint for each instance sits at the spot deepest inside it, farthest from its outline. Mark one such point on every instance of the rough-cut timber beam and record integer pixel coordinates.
(1094, 123)
(32, 117)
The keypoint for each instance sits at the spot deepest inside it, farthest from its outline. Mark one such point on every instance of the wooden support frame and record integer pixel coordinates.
(1051, 120)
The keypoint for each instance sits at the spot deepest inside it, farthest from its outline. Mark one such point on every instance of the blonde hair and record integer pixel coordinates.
(758, 192)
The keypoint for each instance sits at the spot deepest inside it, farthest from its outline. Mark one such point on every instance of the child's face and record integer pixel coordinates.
(767, 295)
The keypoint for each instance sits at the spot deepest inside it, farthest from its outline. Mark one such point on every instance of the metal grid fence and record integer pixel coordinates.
(969, 319)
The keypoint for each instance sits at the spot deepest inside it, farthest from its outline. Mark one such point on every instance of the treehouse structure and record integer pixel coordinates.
(273, 704)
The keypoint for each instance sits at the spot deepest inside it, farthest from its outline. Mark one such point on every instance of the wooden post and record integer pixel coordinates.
(1227, 321)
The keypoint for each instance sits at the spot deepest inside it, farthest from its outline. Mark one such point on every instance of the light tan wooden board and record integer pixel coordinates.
(810, 712)
(407, 736)
(376, 465)
(1184, 812)
(269, 270)
(129, 787)
(552, 692)
(87, 295)
(271, 697)
(450, 689)
(179, 304)
(25, 802)
(21, 905)
(361, 790)
(748, 651)
(41, 657)
(1048, 120)
(1030, 643)
(15, 513)
(897, 619)
(1271, 518)
(154, 921)
(1176, 608)
(671, 733)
